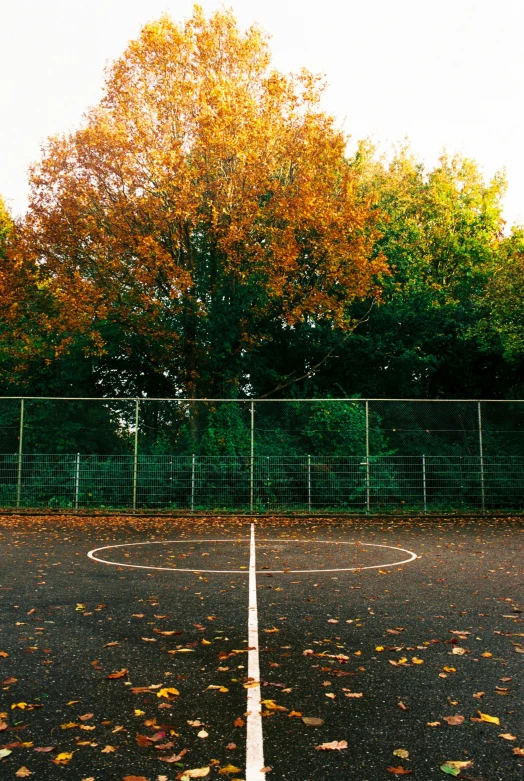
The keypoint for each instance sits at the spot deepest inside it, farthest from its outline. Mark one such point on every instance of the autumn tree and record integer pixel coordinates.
(204, 203)
(441, 231)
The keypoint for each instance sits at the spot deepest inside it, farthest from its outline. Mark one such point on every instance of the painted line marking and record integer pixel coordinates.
(92, 555)
(254, 739)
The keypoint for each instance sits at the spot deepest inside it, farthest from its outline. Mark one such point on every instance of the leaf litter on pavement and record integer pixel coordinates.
(336, 657)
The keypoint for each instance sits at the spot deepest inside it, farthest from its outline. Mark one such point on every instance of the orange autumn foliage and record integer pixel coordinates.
(206, 193)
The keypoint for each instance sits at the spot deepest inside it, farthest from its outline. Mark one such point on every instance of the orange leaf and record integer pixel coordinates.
(120, 674)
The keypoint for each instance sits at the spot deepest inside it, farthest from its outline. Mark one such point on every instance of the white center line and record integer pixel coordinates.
(255, 746)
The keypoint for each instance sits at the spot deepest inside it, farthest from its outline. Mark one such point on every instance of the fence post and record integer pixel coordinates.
(481, 452)
(193, 483)
(367, 458)
(20, 450)
(424, 483)
(309, 482)
(252, 469)
(135, 457)
(77, 479)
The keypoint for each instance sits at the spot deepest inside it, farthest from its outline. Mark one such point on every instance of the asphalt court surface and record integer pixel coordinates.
(394, 657)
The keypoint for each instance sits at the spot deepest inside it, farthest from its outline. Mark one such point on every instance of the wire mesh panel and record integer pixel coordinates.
(308, 455)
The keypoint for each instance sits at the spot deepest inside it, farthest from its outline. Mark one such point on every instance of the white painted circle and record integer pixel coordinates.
(92, 555)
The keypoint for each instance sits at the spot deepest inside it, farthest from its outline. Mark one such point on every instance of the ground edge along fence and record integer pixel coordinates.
(315, 455)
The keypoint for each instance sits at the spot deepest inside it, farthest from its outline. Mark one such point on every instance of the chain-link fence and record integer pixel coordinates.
(334, 455)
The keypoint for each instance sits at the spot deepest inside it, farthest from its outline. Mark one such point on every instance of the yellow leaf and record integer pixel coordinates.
(272, 705)
(139, 712)
(168, 692)
(222, 689)
(416, 660)
(69, 725)
(20, 705)
(23, 772)
(379, 648)
(228, 769)
(489, 719)
(197, 772)
(63, 758)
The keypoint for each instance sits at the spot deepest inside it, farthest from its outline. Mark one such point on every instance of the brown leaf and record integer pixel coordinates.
(507, 736)
(335, 745)
(108, 750)
(120, 674)
(239, 722)
(312, 721)
(143, 740)
(86, 716)
(45, 749)
(399, 771)
(23, 772)
(175, 757)
(454, 721)
(112, 644)
(135, 778)
(518, 752)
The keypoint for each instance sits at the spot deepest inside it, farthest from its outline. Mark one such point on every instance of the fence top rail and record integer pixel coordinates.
(249, 400)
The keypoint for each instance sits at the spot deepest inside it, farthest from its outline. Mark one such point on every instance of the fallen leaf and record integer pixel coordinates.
(355, 695)
(239, 722)
(489, 719)
(312, 721)
(433, 724)
(271, 631)
(63, 758)
(335, 745)
(231, 746)
(454, 721)
(120, 674)
(202, 734)
(401, 752)
(175, 757)
(86, 716)
(272, 705)
(295, 713)
(228, 769)
(135, 778)
(45, 749)
(108, 750)
(519, 752)
(486, 655)
(478, 695)
(112, 644)
(168, 692)
(9, 681)
(148, 639)
(449, 669)
(69, 725)
(399, 771)
(218, 688)
(197, 772)
(454, 768)
(23, 772)
(331, 695)
(4, 752)
(3, 654)
(507, 736)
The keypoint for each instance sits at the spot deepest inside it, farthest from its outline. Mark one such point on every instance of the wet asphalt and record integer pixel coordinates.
(381, 657)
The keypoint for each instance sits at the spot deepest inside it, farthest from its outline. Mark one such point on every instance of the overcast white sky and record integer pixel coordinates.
(446, 74)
